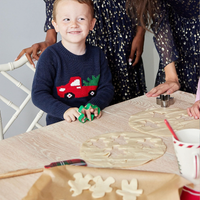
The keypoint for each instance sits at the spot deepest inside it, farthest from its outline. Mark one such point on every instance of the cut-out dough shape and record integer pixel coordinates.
(120, 140)
(159, 115)
(137, 149)
(101, 187)
(129, 191)
(99, 143)
(115, 152)
(147, 144)
(80, 183)
(185, 117)
(150, 124)
(151, 121)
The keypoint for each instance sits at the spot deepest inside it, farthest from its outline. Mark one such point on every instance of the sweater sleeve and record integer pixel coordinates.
(163, 38)
(198, 91)
(43, 84)
(49, 10)
(105, 90)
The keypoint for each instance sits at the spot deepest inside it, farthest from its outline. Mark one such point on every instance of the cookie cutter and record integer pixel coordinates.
(82, 117)
(165, 100)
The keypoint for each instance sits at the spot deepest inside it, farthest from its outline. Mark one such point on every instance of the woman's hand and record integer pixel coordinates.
(171, 84)
(168, 87)
(33, 53)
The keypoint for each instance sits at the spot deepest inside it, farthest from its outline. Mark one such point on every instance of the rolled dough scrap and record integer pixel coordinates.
(80, 183)
(122, 150)
(101, 187)
(129, 191)
(151, 121)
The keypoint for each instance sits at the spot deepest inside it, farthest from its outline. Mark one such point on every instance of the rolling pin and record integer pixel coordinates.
(21, 172)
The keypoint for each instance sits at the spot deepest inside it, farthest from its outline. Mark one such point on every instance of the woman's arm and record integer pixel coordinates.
(34, 52)
(171, 84)
(137, 46)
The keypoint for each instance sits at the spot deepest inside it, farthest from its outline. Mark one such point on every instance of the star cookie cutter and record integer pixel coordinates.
(82, 117)
(165, 100)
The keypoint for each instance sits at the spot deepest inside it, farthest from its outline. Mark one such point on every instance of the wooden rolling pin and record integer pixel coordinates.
(22, 172)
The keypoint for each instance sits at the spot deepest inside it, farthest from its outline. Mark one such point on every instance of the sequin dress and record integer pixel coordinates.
(114, 32)
(177, 38)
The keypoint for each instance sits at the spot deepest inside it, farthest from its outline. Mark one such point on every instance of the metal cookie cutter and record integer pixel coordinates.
(165, 100)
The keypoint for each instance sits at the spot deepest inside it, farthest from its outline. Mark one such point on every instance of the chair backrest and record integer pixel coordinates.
(18, 109)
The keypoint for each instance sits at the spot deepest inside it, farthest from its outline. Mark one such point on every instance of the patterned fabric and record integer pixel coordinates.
(198, 92)
(113, 33)
(49, 10)
(177, 39)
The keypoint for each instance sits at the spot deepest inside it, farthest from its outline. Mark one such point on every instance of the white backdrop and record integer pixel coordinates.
(21, 25)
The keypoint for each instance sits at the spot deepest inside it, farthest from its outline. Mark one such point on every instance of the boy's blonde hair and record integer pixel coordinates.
(88, 2)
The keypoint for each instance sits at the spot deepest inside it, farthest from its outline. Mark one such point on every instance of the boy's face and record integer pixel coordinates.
(73, 21)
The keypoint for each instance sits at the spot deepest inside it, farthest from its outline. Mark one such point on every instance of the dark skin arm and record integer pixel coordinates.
(137, 46)
(34, 52)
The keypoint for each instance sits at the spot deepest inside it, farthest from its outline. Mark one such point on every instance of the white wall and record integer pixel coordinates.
(21, 25)
(150, 60)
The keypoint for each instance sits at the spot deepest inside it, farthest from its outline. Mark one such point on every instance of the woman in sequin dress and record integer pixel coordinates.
(115, 33)
(176, 27)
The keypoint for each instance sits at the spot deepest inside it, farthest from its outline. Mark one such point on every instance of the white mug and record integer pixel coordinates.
(187, 151)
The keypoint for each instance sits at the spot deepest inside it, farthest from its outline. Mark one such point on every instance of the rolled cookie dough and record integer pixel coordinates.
(151, 121)
(122, 150)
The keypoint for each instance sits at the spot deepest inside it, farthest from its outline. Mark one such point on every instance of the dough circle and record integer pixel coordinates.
(122, 150)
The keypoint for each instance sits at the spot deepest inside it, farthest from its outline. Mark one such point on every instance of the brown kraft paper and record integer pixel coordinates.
(53, 184)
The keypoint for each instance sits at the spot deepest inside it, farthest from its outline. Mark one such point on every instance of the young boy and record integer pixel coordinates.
(72, 73)
(195, 109)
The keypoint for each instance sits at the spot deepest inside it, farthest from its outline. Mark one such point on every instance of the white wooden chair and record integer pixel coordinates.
(3, 70)
(1, 128)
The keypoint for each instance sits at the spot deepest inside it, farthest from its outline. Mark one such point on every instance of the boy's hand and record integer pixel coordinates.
(94, 111)
(87, 113)
(194, 110)
(71, 114)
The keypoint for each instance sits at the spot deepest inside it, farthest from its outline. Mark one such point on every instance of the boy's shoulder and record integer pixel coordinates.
(52, 50)
(54, 47)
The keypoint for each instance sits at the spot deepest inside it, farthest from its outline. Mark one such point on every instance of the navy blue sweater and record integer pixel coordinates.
(63, 80)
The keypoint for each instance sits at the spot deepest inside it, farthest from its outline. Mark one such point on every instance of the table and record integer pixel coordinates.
(62, 141)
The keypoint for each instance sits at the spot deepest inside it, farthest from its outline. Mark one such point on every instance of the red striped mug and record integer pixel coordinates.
(187, 151)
